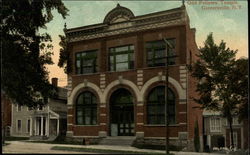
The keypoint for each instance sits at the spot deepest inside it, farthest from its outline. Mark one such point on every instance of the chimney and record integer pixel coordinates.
(54, 81)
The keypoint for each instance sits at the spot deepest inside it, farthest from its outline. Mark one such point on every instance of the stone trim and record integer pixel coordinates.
(139, 123)
(139, 104)
(181, 92)
(160, 138)
(182, 123)
(140, 114)
(103, 124)
(85, 84)
(69, 115)
(70, 124)
(102, 105)
(182, 112)
(118, 82)
(103, 115)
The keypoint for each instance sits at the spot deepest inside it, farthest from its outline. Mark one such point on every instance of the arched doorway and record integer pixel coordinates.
(121, 113)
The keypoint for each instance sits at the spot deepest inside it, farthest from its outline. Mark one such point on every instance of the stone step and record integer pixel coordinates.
(38, 138)
(119, 140)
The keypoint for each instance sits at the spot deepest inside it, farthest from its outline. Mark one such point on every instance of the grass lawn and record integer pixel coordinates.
(102, 150)
(15, 138)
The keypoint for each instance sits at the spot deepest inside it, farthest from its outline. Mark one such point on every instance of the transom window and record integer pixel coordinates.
(156, 106)
(215, 124)
(86, 62)
(86, 109)
(121, 58)
(157, 52)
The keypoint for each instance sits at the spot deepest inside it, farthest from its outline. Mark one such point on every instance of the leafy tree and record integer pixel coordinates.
(222, 85)
(239, 86)
(25, 52)
(64, 60)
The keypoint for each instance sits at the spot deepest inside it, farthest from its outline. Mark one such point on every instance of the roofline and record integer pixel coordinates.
(100, 25)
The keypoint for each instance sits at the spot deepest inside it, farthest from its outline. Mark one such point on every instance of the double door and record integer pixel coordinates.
(123, 120)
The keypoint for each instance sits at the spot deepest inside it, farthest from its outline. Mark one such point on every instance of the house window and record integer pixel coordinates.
(235, 138)
(40, 107)
(156, 106)
(29, 108)
(19, 125)
(235, 121)
(28, 125)
(157, 52)
(19, 107)
(215, 124)
(86, 109)
(86, 62)
(121, 58)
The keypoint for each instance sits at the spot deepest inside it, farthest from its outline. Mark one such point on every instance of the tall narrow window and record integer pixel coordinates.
(19, 125)
(86, 62)
(157, 52)
(156, 106)
(28, 125)
(121, 58)
(215, 124)
(86, 109)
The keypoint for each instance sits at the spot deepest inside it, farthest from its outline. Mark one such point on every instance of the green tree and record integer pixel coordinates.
(239, 86)
(25, 52)
(64, 60)
(219, 85)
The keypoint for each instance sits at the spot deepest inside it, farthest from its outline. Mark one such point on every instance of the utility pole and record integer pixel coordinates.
(166, 94)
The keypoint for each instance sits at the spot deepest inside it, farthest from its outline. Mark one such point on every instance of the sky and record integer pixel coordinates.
(227, 20)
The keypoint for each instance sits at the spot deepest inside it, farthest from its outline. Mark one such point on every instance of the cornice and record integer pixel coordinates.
(140, 23)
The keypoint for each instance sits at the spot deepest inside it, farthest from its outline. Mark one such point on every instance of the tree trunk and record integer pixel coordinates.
(231, 132)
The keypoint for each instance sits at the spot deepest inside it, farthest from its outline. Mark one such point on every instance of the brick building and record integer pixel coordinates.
(6, 114)
(116, 87)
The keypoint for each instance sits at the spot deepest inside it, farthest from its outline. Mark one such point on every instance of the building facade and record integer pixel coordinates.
(217, 131)
(43, 122)
(117, 83)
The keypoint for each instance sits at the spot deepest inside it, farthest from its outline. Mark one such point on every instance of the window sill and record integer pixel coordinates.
(161, 125)
(85, 125)
(86, 74)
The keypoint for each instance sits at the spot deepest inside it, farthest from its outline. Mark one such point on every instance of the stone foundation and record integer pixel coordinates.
(84, 140)
(174, 143)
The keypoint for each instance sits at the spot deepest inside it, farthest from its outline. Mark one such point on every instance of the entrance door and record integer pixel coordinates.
(122, 113)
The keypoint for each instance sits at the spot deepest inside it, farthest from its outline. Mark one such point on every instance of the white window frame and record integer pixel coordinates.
(17, 126)
(215, 126)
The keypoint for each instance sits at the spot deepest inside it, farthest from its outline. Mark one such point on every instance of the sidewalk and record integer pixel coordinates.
(29, 147)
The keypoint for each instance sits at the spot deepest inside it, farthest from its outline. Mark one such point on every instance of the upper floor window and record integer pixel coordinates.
(157, 52)
(86, 62)
(156, 106)
(121, 58)
(215, 124)
(86, 109)
(235, 121)
(19, 107)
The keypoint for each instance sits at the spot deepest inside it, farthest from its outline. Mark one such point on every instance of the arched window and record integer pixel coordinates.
(86, 109)
(156, 106)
